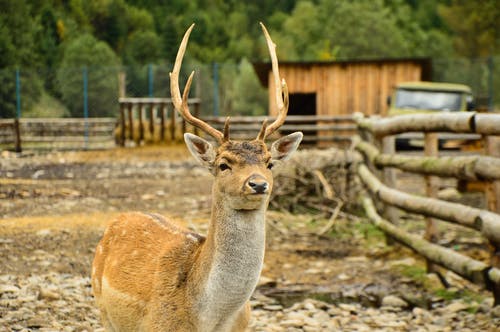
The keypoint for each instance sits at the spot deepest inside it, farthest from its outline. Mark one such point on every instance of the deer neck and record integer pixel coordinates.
(232, 259)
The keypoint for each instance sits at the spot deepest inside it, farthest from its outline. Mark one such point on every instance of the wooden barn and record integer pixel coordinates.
(342, 87)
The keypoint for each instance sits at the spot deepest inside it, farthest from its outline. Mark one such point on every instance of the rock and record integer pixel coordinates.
(394, 302)
(309, 306)
(9, 289)
(495, 312)
(265, 281)
(455, 307)
(405, 261)
(273, 307)
(68, 192)
(38, 174)
(44, 232)
(343, 277)
(292, 323)
(147, 197)
(36, 322)
(47, 294)
(433, 282)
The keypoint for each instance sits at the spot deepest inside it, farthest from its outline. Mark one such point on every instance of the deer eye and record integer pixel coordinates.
(224, 167)
(270, 165)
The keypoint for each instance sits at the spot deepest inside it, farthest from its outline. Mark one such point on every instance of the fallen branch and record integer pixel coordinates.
(331, 221)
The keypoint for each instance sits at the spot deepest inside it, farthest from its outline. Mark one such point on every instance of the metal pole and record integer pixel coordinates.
(150, 80)
(18, 94)
(85, 106)
(215, 70)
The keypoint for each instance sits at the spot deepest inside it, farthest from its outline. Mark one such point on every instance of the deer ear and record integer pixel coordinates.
(284, 147)
(201, 150)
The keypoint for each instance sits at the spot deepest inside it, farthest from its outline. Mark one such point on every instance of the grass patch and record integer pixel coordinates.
(416, 273)
(465, 295)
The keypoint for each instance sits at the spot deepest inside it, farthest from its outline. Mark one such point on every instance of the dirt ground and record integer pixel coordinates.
(55, 206)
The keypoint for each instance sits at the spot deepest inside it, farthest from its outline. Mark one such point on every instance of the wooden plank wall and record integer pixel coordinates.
(345, 88)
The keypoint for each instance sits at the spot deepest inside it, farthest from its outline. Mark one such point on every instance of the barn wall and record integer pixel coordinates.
(345, 88)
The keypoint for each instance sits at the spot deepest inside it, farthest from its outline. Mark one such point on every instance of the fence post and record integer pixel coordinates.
(85, 106)
(141, 124)
(492, 193)
(130, 121)
(151, 122)
(492, 190)
(389, 147)
(172, 123)
(17, 138)
(122, 124)
(431, 148)
(162, 108)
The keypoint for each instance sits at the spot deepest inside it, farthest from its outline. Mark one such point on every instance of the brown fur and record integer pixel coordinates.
(151, 275)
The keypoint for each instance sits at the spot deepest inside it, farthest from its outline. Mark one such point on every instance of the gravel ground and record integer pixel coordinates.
(54, 209)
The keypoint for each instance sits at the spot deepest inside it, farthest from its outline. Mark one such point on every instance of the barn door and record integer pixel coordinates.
(304, 104)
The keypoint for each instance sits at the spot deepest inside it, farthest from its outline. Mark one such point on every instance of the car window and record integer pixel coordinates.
(428, 100)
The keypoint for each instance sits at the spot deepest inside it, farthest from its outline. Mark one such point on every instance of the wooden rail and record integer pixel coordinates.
(10, 133)
(53, 133)
(377, 134)
(318, 130)
(163, 124)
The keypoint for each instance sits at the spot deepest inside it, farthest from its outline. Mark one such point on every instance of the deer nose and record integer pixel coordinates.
(257, 184)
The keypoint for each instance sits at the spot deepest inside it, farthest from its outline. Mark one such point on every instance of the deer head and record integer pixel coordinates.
(242, 169)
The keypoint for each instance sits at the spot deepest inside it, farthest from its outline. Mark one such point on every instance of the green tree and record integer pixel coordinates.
(142, 47)
(17, 45)
(476, 26)
(102, 65)
(250, 98)
(108, 19)
(342, 29)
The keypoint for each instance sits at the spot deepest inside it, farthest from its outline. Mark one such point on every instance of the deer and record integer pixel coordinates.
(150, 274)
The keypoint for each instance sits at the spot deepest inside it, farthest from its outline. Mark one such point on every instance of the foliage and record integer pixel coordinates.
(143, 47)
(476, 26)
(252, 97)
(47, 107)
(88, 54)
(143, 32)
(17, 43)
(331, 30)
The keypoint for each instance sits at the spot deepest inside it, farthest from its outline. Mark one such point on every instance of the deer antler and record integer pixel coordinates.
(281, 90)
(181, 103)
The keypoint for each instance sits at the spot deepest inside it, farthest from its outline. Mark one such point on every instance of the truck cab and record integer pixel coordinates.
(429, 97)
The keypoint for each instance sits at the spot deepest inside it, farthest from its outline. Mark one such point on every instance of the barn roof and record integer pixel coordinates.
(263, 68)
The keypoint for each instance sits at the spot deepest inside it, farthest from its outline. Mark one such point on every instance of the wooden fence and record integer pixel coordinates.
(133, 120)
(376, 143)
(10, 134)
(154, 119)
(53, 133)
(317, 130)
